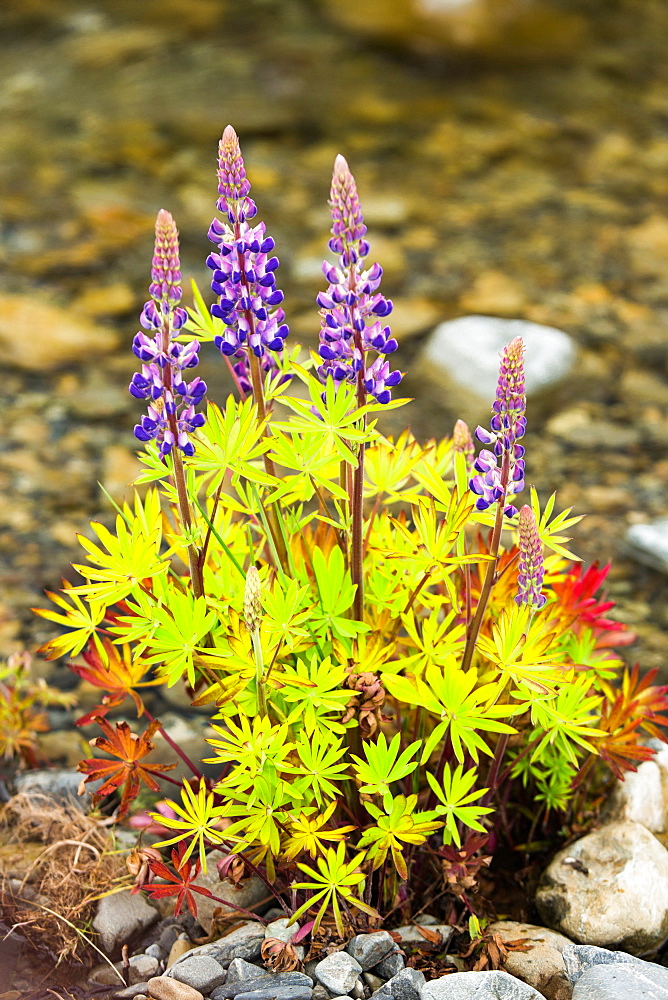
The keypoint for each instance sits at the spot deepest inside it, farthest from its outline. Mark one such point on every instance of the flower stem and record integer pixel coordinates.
(175, 747)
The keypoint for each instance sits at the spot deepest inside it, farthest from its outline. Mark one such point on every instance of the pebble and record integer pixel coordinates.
(406, 985)
(338, 972)
(201, 972)
(599, 974)
(248, 895)
(162, 988)
(621, 900)
(130, 992)
(120, 917)
(60, 785)
(279, 993)
(279, 929)
(155, 951)
(410, 936)
(541, 965)
(143, 967)
(391, 965)
(178, 950)
(25, 320)
(495, 985)
(239, 970)
(369, 949)
(270, 981)
(648, 543)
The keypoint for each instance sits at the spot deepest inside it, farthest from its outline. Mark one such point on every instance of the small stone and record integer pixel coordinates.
(541, 965)
(120, 917)
(640, 797)
(426, 919)
(162, 988)
(180, 947)
(616, 894)
(369, 949)
(479, 986)
(373, 982)
(143, 968)
(578, 958)
(390, 966)
(240, 970)
(201, 972)
(38, 336)
(644, 980)
(648, 543)
(106, 975)
(319, 992)
(338, 973)
(406, 985)
(246, 896)
(270, 981)
(279, 993)
(279, 929)
(60, 785)
(131, 992)
(411, 936)
(155, 951)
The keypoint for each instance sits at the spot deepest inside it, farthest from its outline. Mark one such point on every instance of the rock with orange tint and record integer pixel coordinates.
(36, 335)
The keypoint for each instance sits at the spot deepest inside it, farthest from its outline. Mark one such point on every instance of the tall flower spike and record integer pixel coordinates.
(508, 424)
(171, 414)
(352, 308)
(531, 568)
(244, 276)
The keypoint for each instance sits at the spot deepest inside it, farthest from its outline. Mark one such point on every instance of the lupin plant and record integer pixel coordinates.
(403, 670)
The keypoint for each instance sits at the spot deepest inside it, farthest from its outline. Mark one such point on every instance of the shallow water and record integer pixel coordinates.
(525, 175)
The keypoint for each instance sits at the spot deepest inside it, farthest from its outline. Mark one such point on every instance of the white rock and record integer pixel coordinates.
(648, 543)
(640, 797)
(620, 899)
(462, 355)
(120, 917)
(338, 973)
(479, 986)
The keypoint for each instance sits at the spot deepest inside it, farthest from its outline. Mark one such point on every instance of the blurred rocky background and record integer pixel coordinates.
(512, 159)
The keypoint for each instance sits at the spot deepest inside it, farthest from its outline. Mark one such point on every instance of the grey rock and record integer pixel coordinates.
(578, 958)
(279, 929)
(641, 798)
(338, 973)
(279, 993)
(426, 919)
(319, 992)
(621, 896)
(244, 942)
(406, 985)
(411, 937)
(120, 917)
(59, 785)
(541, 965)
(479, 986)
(202, 972)
(623, 982)
(648, 543)
(143, 968)
(463, 356)
(373, 982)
(240, 969)
(271, 981)
(155, 951)
(274, 913)
(246, 897)
(168, 936)
(369, 949)
(391, 965)
(358, 992)
(130, 992)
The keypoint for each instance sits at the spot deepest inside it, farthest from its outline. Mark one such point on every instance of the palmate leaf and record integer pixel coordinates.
(336, 879)
(231, 440)
(197, 816)
(398, 826)
(388, 465)
(314, 465)
(436, 638)
(80, 617)
(321, 763)
(457, 801)
(336, 592)
(309, 832)
(179, 635)
(384, 764)
(337, 420)
(313, 695)
(523, 647)
(465, 707)
(122, 562)
(567, 719)
(251, 745)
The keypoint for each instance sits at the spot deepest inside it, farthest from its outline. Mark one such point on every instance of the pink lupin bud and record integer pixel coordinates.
(348, 229)
(232, 182)
(531, 567)
(165, 266)
(463, 442)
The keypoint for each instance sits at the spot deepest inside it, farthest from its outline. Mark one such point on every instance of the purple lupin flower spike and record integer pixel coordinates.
(171, 414)
(243, 272)
(507, 425)
(463, 442)
(531, 567)
(352, 308)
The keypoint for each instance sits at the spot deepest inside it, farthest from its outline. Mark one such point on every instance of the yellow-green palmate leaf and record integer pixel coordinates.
(548, 531)
(524, 648)
(436, 638)
(397, 826)
(80, 617)
(308, 832)
(199, 819)
(312, 695)
(122, 562)
(336, 879)
(179, 636)
(568, 720)
(263, 813)
(388, 465)
(384, 764)
(315, 468)
(251, 745)
(321, 763)
(232, 440)
(464, 707)
(457, 801)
